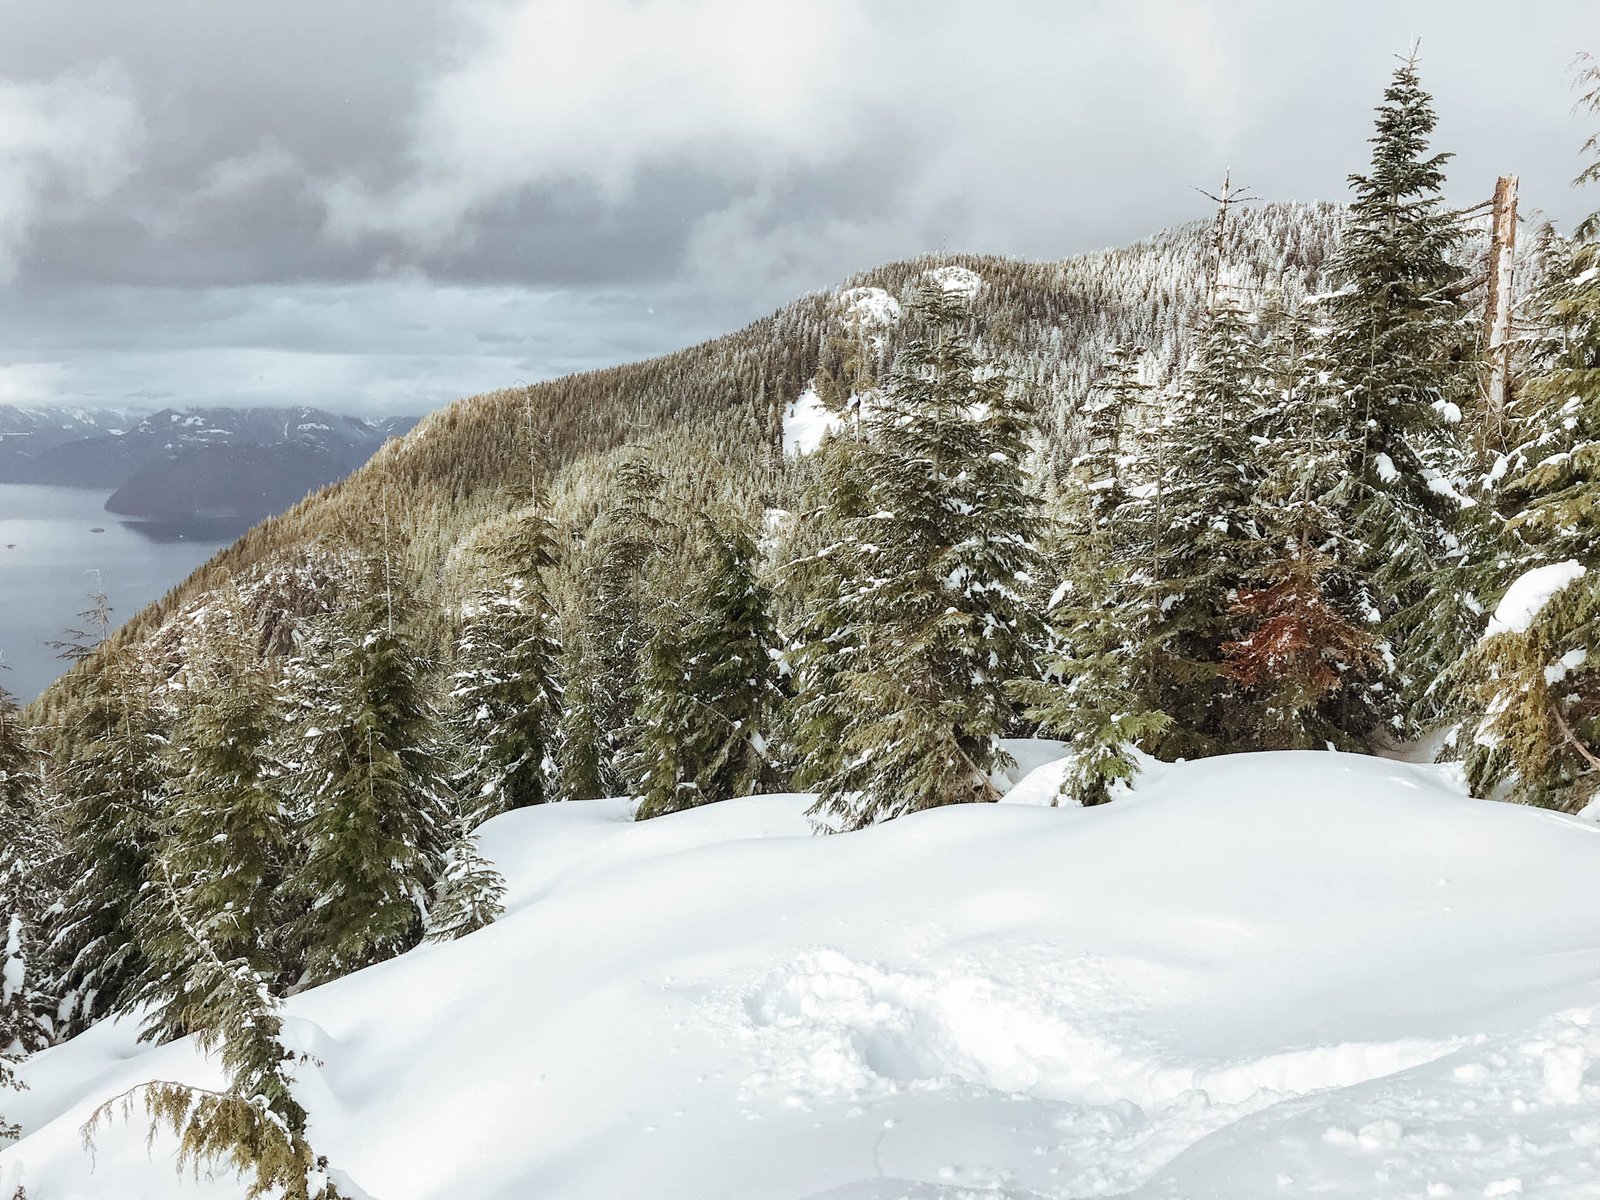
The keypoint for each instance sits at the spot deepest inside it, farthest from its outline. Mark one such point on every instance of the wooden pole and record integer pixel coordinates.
(1497, 309)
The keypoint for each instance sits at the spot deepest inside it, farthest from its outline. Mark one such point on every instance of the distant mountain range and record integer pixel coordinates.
(230, 466)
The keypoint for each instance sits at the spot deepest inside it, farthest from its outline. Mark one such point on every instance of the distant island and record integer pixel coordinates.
(225, 468)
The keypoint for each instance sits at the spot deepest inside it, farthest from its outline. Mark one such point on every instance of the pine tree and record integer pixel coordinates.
(24, 895)
(670, 726)
(1304, 655)
(1397, 337)
(1093, 694)
(935, 597)
(604, 658)
(505, 691)
(824, 641)
(1211, 537)
(709, 691)
(470, 893)
(374, 788)
(224, 831)
(256, 1125)
(108, 777)
(1533, 683)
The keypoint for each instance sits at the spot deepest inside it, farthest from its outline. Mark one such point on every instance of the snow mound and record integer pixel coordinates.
(806, 422)
(1529, 593)
(960, 281)
(870, 306)
(1260, 975)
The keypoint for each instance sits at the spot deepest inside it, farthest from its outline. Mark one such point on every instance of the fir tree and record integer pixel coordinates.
(1305, 654)
(709, 690)
(374, 788)
(935, 597)
(24, 895)
(470, 893)
(824, 640)
(109, 780)
(1533, 685)
(1397, 338)
(670, 726)
(1093, 695)
(224, 831)
(603, 662)
(505, 691)
(256, 1125)
(1211, 536)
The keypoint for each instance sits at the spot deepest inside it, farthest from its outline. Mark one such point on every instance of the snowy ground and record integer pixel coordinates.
(1264, 975)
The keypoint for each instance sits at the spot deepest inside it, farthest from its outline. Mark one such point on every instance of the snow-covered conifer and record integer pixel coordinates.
(1533, 681)
(108, 777)
(505, 691)
(934, 593)
(1095, 694)
(1305, 654)
(224, 831)
(1397, 335)
(709, 692)
(24, 894)
(1211, 539)
(255, 1125)
(373, 785)
(603, 653)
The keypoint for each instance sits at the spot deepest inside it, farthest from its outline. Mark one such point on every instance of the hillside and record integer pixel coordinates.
(713, 414)
(1273, 974)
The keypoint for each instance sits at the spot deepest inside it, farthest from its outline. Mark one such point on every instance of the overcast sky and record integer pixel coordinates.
(379, 205)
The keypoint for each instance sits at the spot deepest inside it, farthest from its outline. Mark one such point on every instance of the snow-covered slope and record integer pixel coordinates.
(1263, 975)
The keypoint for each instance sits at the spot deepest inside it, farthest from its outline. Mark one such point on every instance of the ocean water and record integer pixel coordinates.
(57, 545)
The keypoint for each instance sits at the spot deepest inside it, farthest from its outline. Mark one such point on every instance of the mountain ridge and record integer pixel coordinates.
(715, 409)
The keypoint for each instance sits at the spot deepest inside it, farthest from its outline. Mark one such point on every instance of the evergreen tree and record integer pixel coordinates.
(603, 663)
(1533, 682)
(938, 569)
(1305, 653)
(373, 785)
(224, 831)
(470, 893)
(256, 1125)
(108, 777)
(1211, 537)
(709, 688)
(1093, 695)
(1397, 322)
(824, 640)
(24, 895)
(505, 691)
(669, 726)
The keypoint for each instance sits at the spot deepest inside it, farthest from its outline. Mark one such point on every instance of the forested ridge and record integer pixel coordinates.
(1232, 488)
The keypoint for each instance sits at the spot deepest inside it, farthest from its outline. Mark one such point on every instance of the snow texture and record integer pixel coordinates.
(806, 422)
(870, 306)
(1529, 593)
(1258, 975)
(960, 281)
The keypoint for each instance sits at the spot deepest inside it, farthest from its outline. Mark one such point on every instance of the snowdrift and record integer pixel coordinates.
(1261, 975)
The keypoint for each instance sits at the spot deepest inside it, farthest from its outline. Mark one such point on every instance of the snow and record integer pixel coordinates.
(870, 306)
(1260, 975)
(1529, 593)
(961, 281)
(806, 422)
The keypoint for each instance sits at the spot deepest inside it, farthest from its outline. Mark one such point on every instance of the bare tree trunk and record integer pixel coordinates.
(1497, 309)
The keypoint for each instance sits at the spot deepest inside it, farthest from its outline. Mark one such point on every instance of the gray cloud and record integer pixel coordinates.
(385, 204)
